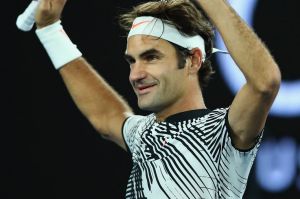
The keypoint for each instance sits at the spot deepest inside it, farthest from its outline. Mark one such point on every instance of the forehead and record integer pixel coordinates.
(139, 43)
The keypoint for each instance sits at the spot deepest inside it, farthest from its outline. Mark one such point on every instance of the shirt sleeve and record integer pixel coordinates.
(235, 163)
(130, 130)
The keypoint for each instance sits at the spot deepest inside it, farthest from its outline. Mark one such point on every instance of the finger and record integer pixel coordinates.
(25, 21)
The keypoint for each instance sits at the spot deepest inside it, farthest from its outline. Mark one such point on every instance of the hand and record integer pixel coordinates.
(48, 12)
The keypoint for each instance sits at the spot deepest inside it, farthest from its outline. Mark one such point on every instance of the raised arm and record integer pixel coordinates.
(250, 107)
(99, 103)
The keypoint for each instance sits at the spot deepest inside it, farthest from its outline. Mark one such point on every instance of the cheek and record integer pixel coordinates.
(179, 80)
(166, 73)
(173, 81)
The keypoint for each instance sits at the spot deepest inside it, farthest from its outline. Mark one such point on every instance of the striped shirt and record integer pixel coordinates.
(188, 156)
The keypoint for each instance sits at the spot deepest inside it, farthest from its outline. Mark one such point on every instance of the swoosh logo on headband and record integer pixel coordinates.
(138, 24)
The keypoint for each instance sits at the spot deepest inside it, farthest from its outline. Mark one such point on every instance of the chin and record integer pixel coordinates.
(149, 106)
(144, 105)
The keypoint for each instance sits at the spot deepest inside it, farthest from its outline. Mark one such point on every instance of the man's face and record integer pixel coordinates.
(154, 73)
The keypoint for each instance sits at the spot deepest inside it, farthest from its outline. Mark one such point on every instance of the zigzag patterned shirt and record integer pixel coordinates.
(188, 156)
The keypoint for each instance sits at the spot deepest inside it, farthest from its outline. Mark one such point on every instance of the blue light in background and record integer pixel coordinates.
(287, 102)
(276, 164)
(298, 178)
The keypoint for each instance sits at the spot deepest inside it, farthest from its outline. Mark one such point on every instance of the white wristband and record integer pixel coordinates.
(58, 45)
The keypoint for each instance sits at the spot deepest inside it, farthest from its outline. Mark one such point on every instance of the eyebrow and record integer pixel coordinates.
(144, 54)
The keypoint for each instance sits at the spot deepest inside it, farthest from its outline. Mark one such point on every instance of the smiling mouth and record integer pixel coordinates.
(141, 90)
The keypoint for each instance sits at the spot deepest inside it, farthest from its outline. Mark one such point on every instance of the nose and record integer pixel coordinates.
(137, 72)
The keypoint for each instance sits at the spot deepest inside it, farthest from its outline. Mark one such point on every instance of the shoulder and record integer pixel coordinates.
(221, 111)
(135, 123)
(136, 120)
(132, 128)
(218, 113)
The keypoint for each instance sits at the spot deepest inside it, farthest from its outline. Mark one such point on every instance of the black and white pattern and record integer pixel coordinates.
(190, 155)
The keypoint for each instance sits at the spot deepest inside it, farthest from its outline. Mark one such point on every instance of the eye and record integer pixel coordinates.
(151, 57)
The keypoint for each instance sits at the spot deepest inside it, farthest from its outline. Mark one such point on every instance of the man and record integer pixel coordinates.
(182, 149)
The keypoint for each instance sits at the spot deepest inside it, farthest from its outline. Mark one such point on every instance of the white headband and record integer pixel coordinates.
(156, 27)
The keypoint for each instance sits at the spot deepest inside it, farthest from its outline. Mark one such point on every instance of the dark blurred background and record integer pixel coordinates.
(49, 150)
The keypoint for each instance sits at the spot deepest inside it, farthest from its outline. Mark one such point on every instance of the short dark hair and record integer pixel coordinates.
(186, 18)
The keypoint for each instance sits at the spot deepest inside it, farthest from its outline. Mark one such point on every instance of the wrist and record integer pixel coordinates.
(58, 45)
(45, 23)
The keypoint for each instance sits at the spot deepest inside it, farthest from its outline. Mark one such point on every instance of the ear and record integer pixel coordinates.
(196, 61)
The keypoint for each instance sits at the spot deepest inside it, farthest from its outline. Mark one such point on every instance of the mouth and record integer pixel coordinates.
(144, 89)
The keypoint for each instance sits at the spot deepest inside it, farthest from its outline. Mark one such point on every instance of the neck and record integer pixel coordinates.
(191, 101)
